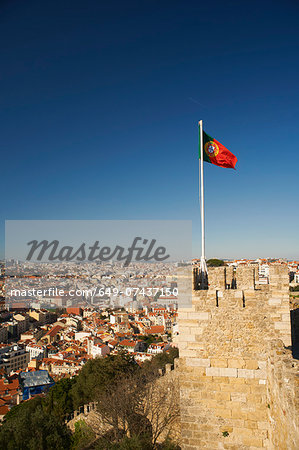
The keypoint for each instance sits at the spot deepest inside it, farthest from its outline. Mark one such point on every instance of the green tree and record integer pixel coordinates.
(214, 262)
(127, 443)
(294, 288)
(149, 339)
(29, 426)
(83, 436)
(59, 400)
(97, 374)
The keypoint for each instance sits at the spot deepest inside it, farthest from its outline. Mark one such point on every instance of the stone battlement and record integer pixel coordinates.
(226, 278)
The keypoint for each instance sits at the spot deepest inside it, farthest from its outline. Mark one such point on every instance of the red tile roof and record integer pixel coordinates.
(155, 329)
(11, 385)
(127, 343)
(3, 410)
(54, 331)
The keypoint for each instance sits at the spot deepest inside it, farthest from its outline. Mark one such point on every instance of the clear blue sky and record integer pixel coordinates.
(99, 109)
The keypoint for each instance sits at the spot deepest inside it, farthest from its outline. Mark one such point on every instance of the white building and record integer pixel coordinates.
(263, 270)
(81, 335)
(99, 350)
(36, 351)
(158, 347)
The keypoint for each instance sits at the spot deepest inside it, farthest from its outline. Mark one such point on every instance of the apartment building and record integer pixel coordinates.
(13, 358)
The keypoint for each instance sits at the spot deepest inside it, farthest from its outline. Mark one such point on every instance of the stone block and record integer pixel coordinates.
(236, 363)
(262, 374)
(182, 315)
(198, 362)
(274, 301)
(186, 353)
(226, 387)
(258, 389)
(245, 373)
(209, 403)
(222, 396)
(287, 341)
(262, 365)
(187, 310)
(239, 414)
(251, 364)
(224, 413)
(218, 362)
(286, 317)
(244, 432)
(251, 424)
(252, 442)
(237, 422)
(212, 372)
(255, 399)
(282, 325)
(190, 323)
(184, 329)
(260, 415)
(228, 372)
(186, 337)
(233, 405)
(251, 381)
(200, 316)
(236, 382)
(212, 386)
(238, 397)
(263, 425)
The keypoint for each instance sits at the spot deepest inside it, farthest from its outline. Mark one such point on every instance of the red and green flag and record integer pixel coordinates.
(216, 153)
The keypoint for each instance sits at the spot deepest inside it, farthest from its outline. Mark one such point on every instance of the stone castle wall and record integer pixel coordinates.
(236, 383)
(283, 398)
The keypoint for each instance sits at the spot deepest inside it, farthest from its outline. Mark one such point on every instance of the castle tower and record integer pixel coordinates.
(237, 379)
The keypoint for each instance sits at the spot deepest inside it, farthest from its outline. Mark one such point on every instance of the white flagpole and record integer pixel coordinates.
(203, 265)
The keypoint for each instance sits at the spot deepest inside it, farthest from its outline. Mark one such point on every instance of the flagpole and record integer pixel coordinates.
(203, 265)
(202, 207)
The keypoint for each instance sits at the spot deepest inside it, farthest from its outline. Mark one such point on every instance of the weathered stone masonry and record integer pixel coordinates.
(238, 382)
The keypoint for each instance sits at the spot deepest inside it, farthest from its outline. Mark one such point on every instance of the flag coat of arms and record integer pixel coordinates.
(215, 153)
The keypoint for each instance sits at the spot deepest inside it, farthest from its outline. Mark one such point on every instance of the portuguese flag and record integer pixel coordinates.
(216, 153)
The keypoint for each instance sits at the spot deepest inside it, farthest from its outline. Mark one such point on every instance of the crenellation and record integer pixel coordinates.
(245, 278)
(217, 278)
